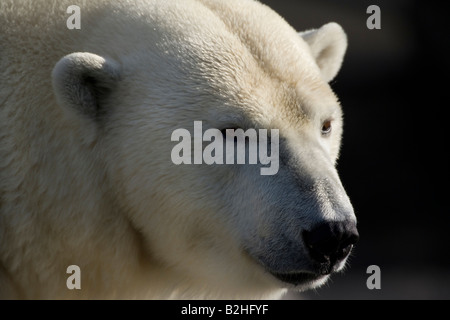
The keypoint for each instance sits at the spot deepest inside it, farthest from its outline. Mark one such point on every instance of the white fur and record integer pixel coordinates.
(96, 187)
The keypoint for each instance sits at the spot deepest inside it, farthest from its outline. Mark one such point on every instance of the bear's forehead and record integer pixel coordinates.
(247, 54)
(267, 37)
(240, 50)
(266, 63)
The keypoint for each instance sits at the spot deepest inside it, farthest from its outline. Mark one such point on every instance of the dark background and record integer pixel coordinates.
(394, 160)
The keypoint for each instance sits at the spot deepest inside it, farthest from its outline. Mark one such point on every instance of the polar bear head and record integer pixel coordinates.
(217, 230)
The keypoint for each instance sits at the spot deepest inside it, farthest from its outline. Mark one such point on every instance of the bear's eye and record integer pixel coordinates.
(326, 127)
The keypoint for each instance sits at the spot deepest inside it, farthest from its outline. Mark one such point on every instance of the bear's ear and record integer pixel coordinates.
(81, 80)
(328, 45)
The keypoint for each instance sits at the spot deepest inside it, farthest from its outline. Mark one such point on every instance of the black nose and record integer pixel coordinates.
(331, 241)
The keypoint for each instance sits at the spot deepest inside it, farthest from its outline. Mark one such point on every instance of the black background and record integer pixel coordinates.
(394, 160)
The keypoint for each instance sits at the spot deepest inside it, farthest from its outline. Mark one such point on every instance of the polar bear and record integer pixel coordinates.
(86, 178)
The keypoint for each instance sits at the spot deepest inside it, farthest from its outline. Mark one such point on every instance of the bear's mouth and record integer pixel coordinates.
(297, 278)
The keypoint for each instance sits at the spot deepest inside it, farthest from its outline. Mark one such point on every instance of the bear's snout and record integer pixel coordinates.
(329, 243)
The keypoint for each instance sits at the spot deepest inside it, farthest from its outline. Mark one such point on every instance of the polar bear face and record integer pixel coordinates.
(225, 229)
